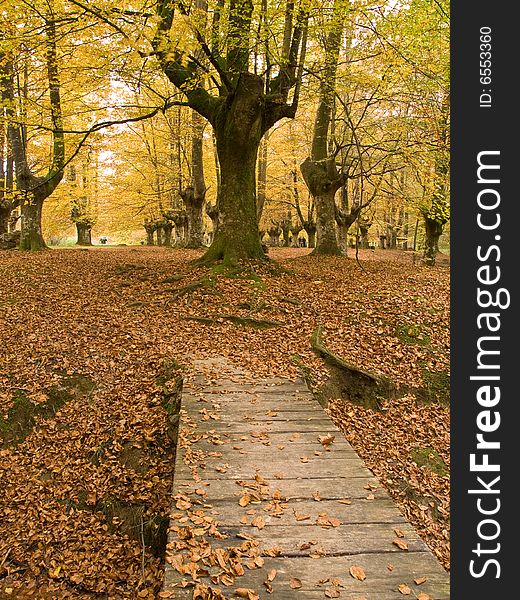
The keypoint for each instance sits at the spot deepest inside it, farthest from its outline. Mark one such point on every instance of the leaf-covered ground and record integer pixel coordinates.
(85, 462)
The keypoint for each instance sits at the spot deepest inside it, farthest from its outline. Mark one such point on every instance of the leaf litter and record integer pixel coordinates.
(70, 313)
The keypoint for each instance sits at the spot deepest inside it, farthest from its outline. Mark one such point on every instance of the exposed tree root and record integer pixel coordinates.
(237, 320)
(348, 381)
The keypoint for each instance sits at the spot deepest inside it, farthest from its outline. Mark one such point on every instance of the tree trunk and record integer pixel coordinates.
(363, 241)
(193, 205)
(194, 195)
(433, 230)
(84, 233)
(238, 131)
(5, 213)
(149, 237)
(167, 234)
(327, 239)
(342, 238)
(160, 236)
(32, 238)
(310, 230)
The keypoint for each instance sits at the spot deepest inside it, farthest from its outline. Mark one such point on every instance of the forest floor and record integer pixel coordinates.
(86, 465)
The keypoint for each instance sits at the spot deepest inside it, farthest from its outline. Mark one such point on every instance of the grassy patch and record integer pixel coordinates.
(412, 334)
(23, 414)
(436, 387)
(428, 457)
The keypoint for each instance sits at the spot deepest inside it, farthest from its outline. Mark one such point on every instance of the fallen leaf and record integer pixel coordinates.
(404, 589)
(258, 522)
(326, 440)
(301, 517)
(357, 572)
(400, 543)
(295, 583)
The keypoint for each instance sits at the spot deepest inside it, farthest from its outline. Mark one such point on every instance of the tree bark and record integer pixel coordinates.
(310, 229)
(5, 213)
(433, 230)
(194, 195)
(323, 189)
(167, 233)
(149, 234)
(238, 131)
(31, 235)
(84, 234)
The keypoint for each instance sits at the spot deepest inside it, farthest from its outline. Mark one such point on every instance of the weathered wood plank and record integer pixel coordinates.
(384, 575)
(224, 467)
(305, 512)
(328, 488)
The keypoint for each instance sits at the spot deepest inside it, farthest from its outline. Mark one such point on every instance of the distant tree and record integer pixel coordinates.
(34, 189)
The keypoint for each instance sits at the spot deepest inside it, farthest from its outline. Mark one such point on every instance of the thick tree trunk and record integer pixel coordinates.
(84, 234)
(433, 230)
(31, 237)
(323, 187)
(194, 195)
(149, 237)
(167, 234)
(342, 238)
(363, 241)
(160, 238)
(326, 234)
(5, 213)
(238, 131)
(193, 204)
(311, 234)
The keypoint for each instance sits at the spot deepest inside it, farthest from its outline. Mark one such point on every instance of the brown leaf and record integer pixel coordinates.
(423, 596)
(332, 593)
(357, 572)
(326, 440)
(404, 589)
(301, 517)
(295, 583)
(400, 544)
(271, 574)
(258, 522)
(419, 580)
(245, 500)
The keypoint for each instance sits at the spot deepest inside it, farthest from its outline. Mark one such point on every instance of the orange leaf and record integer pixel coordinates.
(357, 572)
(404, 589)
(400, 544)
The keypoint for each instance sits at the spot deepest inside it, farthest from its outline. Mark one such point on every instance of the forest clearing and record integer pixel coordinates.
(96, 326)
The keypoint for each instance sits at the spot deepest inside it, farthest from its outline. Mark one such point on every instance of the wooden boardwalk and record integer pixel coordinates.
(266, 504)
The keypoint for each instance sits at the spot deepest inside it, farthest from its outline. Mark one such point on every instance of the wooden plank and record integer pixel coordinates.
(315, 577)
(217, 468)
(291, 438)
(319, 425)
(305, 511)
(302, 540)
(328, 488)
